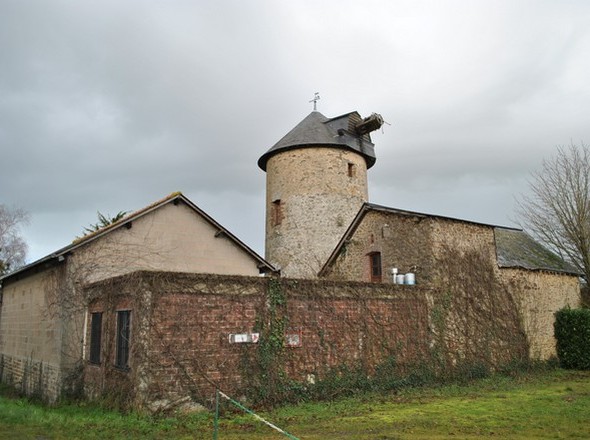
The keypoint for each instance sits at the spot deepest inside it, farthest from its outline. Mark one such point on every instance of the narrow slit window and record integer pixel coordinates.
(277, 212)
(375, 267)
(351, 170)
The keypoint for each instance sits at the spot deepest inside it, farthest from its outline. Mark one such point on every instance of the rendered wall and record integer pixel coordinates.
(170, 238)
(30, 355)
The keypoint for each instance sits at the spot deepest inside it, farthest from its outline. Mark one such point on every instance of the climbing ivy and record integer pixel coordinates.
(272, 345)
(268, 380)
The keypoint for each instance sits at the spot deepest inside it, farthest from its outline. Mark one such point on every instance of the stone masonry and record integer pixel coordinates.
(319, 190)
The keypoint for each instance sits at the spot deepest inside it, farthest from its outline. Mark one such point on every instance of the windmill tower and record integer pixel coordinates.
(316, 182)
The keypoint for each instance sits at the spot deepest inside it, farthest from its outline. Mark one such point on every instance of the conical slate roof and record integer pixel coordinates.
(316, 130)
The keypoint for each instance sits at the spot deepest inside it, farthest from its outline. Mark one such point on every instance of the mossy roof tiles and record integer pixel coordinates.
(515, 248)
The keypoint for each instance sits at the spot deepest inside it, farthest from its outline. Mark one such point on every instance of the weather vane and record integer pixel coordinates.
(315, 100)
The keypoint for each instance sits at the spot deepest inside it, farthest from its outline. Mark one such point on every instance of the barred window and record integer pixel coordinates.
(95, 337)
(123, 339)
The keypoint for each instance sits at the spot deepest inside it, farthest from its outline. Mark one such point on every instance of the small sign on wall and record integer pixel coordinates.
(244, 338)
(293, 339)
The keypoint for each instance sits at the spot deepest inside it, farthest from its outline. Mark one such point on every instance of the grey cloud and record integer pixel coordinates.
(109, 106)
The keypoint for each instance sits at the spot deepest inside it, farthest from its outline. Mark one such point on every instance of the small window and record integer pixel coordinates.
(277, 212)
(351, 170)
(123, 335)
(375, 262)
(95, 337)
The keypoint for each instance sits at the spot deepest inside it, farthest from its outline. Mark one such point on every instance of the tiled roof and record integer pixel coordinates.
(318, 130)
(515, 248)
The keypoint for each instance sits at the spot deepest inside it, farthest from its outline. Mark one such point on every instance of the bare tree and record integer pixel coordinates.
(13, 249)
(558, 210)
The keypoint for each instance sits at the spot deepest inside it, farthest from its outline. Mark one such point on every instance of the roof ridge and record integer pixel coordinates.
(171, 196)
(58, 255)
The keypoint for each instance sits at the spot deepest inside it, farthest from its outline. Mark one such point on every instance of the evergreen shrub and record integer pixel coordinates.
(572, 331)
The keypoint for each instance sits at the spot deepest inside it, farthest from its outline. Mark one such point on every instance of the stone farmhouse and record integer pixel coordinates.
(166, 304)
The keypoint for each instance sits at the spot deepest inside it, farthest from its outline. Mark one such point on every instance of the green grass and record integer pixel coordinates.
(549, 405)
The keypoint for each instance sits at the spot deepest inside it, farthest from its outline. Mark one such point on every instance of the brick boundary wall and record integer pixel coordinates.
(181, 325)
(339, 327)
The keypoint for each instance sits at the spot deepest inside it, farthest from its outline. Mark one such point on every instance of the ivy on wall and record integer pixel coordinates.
(355, 337)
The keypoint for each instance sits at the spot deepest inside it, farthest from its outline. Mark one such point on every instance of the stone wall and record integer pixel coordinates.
(482, 319)
(539, 295)
(318, 200)
(459, 259)
(405, 242)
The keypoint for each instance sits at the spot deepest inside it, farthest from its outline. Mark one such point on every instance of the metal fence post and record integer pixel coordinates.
(216, 420)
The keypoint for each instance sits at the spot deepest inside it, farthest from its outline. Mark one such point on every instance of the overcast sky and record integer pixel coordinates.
(111, 105)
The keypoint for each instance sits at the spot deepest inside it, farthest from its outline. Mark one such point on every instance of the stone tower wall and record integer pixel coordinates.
(312, 196)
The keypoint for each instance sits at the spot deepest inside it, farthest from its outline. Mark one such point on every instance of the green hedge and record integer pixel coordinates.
(572, 331)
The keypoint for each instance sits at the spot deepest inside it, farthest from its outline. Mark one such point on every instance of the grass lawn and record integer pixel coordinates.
(549, 405)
